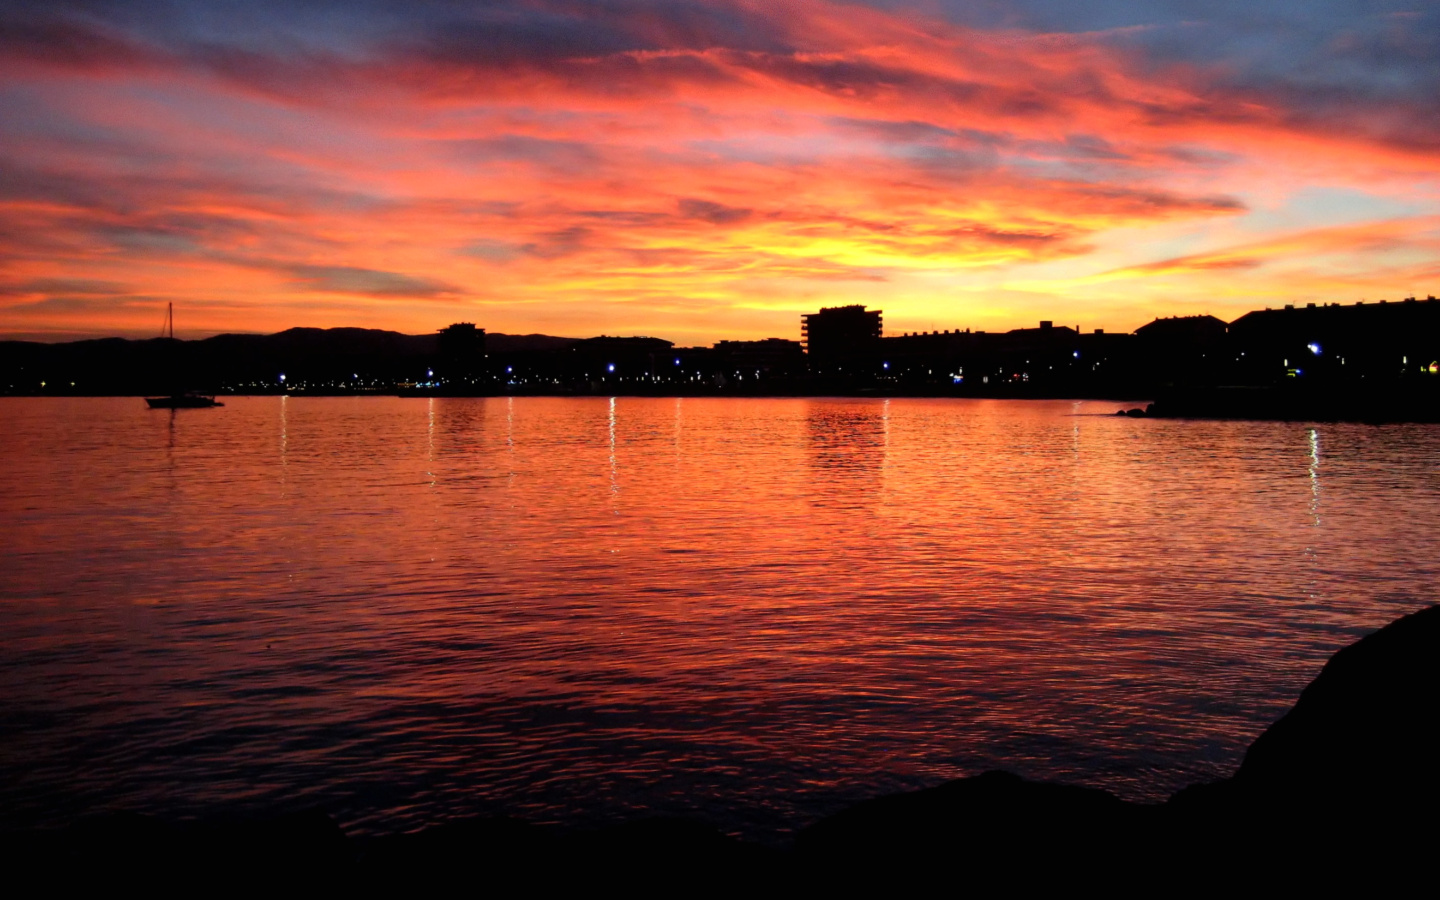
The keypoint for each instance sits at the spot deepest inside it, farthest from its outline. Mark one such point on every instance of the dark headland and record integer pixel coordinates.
(1341, 791)
(1374, 362)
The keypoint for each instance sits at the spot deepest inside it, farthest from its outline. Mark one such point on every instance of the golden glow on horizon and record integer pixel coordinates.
(950, 176)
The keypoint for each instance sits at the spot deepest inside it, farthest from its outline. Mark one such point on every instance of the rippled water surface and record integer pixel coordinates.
(751, 611)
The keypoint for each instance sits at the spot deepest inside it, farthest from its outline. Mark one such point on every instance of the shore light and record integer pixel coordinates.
(610, 368)
(1314, 348)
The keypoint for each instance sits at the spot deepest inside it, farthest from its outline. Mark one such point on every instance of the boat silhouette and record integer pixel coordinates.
(187, 400)
(179, 399)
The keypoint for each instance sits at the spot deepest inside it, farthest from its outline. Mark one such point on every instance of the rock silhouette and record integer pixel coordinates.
(1363, 733)
(1346, 778)
(1341, 790)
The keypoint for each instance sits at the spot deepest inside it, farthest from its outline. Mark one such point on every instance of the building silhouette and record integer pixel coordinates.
(768, 357)
(842, 340)
(1330, 341)
(1046, 359)
(1183, 350)
(1361, 349)
(462, 351)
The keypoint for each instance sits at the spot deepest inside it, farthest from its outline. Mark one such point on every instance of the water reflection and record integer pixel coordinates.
(284, 413)
(171, 481)
(510, 441)
(677, 426)
(847, 443)
(430, 440)
(804, 602)
(614, 466)
(459, 423)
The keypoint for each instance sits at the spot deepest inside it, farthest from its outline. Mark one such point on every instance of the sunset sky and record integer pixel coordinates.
(699, 170)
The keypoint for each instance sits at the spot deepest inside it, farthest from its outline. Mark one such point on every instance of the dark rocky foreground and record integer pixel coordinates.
(1341, 791)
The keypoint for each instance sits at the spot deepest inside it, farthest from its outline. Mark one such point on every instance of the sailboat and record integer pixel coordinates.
(183, 399)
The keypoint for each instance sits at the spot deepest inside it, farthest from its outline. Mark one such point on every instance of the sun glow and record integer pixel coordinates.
(628, 175)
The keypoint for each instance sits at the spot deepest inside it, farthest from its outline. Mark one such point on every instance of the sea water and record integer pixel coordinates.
(749, 611)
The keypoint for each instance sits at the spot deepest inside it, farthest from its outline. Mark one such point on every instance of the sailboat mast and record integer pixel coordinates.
(178, 399)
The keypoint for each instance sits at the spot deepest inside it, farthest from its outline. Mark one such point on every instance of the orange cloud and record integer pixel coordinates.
(702, 172)
(1370, 239)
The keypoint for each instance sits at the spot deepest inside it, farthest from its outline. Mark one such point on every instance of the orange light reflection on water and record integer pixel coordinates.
(756, 610)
